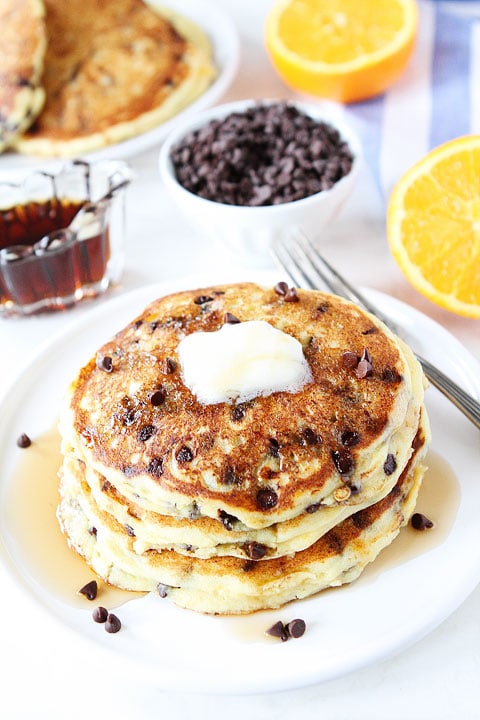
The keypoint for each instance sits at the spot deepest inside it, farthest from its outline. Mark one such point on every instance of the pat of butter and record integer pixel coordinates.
(242, 361)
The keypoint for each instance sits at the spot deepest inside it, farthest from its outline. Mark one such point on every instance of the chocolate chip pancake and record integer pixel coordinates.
(22, 50)
(229, 584)
(342, 440)
(112, 71)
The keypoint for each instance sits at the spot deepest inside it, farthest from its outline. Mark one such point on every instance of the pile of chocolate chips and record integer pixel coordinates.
(267, 155)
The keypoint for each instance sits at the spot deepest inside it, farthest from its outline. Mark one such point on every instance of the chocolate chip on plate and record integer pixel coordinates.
(420, 521)
(23, 441)
(100, 614)
(89, 590)
(112, 623)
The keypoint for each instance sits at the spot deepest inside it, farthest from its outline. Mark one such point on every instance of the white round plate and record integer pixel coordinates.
(375, 617)
(226, 50)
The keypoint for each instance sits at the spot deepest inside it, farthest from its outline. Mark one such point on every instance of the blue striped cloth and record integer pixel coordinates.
(436, 99)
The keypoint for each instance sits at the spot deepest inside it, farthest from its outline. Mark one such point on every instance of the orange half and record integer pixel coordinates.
(344, 50)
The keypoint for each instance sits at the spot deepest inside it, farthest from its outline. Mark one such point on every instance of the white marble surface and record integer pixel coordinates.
(437, 678)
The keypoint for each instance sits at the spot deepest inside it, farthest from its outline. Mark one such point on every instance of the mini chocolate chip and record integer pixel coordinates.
(296, 628)
(169, 366)
(249, 565)
(313, 508)
(281, 288)
(202, 299)
(146, 432)
(343, 461)
(23, 441)
(255, 551)
(390, 375)
(228, 521)
(230, 319)
(89, 590)
(390, 464)
(105, 363)
(370, 331)
(323, 307)
(163, 589)
(278, 630)
(184, 454)
(129, 530)
(238, 413)
(92, 530)
(155, 466)
(349, 360)
(158, 397)
(363, 369)
(420, 521)
(349, 438)
(291, 295)
(273, 447)
(100, 614)
(112, 623)
(266, 498)
(311, 437)
(229, 477)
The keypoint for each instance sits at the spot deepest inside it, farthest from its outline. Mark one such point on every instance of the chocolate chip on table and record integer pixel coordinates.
(23, 441)
(105, 363)
(112, 623)
(420, 521)
(89, 590)
(100, 614)
(269, 154)
(266, 498)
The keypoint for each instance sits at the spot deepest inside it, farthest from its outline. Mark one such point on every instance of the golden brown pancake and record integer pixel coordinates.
(343, 439)
(112, 71)
(22, 50)
(229, 585)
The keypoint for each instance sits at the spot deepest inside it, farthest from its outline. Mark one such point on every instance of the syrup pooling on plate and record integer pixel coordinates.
(32, 497)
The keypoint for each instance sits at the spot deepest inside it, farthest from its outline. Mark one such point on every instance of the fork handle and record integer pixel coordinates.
(461, 399)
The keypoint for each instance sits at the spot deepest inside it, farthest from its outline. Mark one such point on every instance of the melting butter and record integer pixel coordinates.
(242, 361)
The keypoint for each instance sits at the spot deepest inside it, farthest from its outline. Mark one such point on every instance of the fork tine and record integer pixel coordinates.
(331, 277)
(288, 262)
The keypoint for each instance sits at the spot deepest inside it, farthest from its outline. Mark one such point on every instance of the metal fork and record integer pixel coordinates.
(300, 259)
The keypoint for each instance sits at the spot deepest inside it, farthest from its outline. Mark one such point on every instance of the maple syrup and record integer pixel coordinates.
(56, 250)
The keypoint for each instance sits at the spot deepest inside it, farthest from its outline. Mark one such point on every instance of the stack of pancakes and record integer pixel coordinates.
(79, 75)
(237, 506)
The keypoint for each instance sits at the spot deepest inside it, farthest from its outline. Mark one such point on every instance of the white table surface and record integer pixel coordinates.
(436, 678)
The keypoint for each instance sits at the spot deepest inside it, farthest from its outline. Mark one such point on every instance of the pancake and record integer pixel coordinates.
(22, 51)
(232, 585)
(206, 537)
(112, 71)
(343, 439)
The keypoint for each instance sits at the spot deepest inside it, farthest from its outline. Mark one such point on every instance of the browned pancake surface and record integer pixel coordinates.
(264, 455)
(106, 63)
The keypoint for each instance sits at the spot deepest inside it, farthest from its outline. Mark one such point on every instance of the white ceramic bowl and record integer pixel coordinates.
(248, 230)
